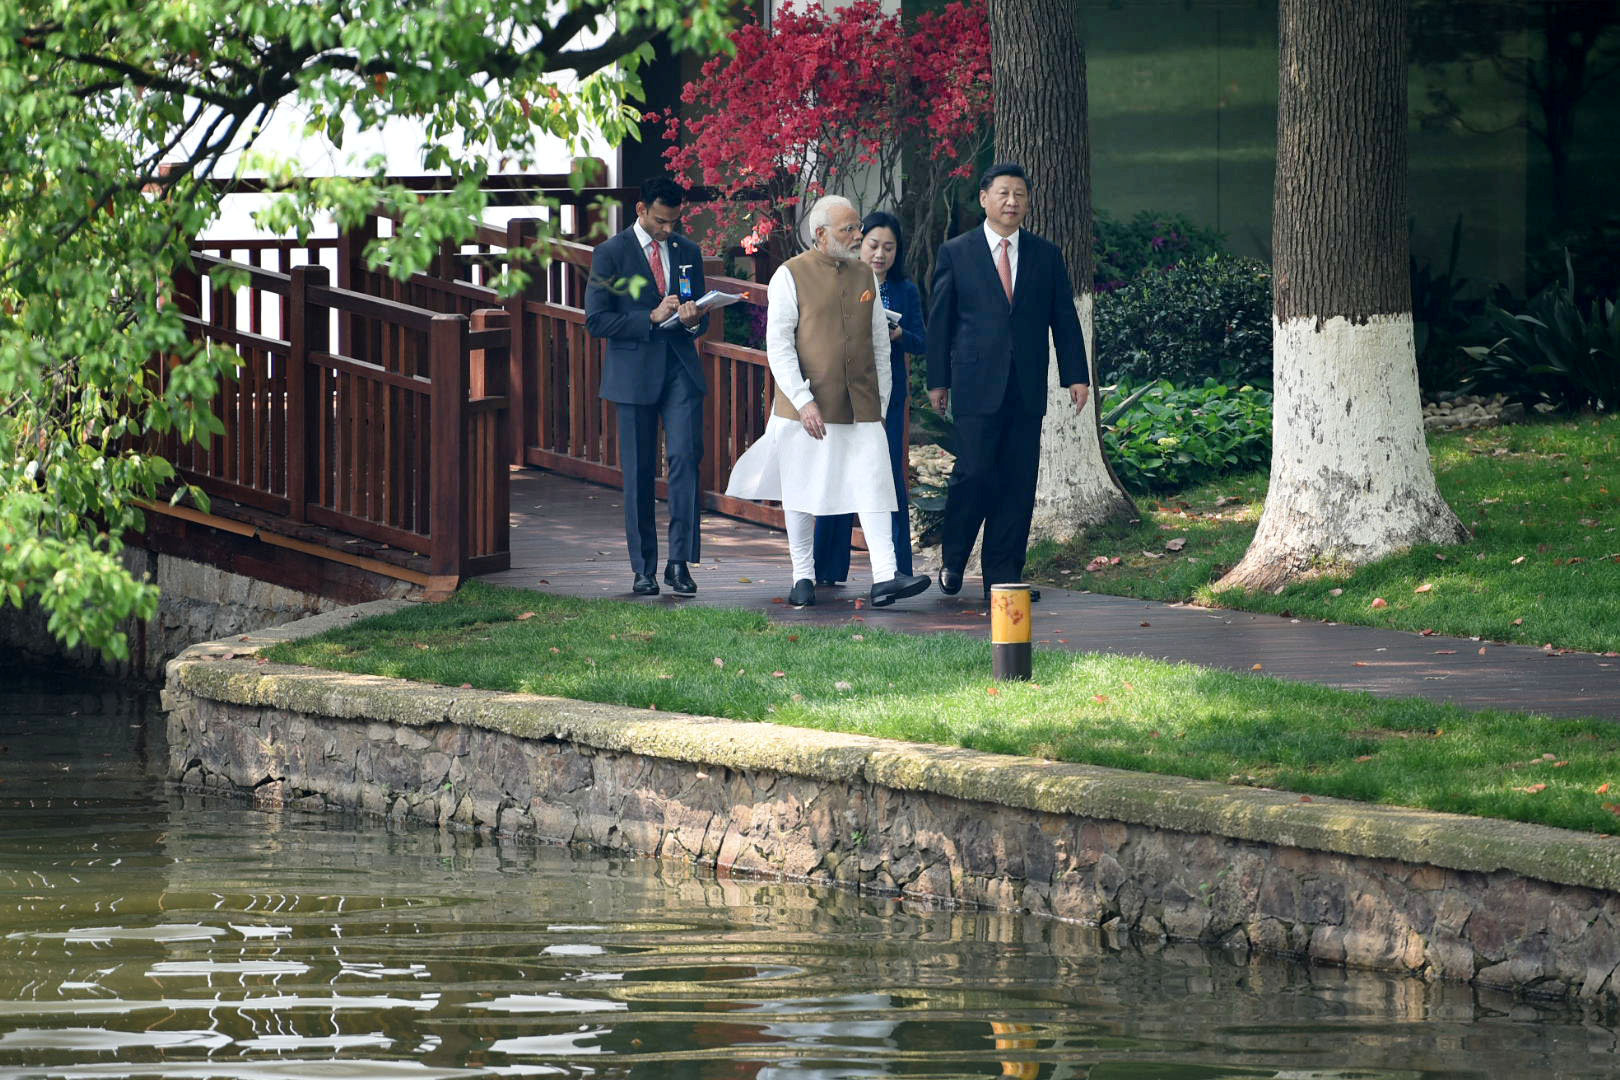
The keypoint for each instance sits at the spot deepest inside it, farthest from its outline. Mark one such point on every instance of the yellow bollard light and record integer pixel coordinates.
(1010, 615)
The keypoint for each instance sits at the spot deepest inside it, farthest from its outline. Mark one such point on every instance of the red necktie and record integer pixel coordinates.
(1004, 268)
(657, 261)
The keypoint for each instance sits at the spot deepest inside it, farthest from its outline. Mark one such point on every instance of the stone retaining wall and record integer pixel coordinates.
(1504, 905)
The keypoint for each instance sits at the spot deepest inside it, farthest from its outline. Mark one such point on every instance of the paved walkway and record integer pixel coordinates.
(568, 538)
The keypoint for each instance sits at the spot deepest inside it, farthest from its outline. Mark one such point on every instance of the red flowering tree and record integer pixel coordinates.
(852, 101)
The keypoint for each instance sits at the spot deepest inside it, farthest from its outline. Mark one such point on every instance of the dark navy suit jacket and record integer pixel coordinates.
(977, 341)
(636, 353)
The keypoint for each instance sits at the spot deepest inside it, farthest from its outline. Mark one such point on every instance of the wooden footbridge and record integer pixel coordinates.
(373, 421)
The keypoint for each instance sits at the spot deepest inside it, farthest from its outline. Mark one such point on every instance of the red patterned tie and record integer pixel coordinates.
(1004, 267)
(657, 262)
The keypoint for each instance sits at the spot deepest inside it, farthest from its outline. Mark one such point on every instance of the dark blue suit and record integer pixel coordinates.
(833, 530)
(651, 374)
(994, 357)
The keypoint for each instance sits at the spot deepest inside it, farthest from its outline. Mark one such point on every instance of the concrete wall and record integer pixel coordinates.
(1526, 908)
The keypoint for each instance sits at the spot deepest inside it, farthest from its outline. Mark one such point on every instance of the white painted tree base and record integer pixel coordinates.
(1350, 475)
(1074, 490)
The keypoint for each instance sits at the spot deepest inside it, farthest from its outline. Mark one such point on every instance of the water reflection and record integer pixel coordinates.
(145, 934)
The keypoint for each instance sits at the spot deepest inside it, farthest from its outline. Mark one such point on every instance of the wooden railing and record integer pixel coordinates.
(357, 413)
(559, 422)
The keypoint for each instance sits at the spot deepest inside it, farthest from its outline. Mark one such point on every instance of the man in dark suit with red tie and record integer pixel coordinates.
(651, 373)
(1001, 301)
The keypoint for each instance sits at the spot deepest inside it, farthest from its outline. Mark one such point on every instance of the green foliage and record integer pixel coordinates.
(1441, 320)
(1116, 711)
(1125, 250)
(97, 95)
(1170, 438)
(1552, 352)
(1205, 319)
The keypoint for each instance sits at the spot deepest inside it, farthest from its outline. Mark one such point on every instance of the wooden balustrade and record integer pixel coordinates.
(357, 413)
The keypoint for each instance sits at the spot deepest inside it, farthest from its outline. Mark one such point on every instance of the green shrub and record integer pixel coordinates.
(1127, 249)
(1552, 352)
(1208, 319)
(1168, 438)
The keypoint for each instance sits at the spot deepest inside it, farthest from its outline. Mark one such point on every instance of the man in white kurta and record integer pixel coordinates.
(825, 450)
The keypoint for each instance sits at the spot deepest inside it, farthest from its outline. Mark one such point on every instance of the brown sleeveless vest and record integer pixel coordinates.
(834, 338)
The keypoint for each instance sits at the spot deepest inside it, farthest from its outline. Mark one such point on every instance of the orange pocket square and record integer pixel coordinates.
(866, 297)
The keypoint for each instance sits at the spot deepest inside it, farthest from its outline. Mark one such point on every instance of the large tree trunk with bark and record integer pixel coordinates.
(1038, 74)
(1350, 475)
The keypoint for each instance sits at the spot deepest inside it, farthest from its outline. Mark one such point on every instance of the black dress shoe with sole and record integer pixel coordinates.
(950, 581)
(898, 587)
(803, 594)
(679, 579)
(645, 585)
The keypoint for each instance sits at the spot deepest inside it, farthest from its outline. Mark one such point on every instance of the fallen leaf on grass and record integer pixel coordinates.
(466, 686)
(793, 637)
(419, 645)
(1335, 592)
(1602, 789)
(717, 662)
(1176, 544)
(778, 674)
(992, 689)
(842, 685)
(1517, 561)
(1365, 757)
(1613, 808)
(1425, 587)
(554, 649)
(1099, 698)
(857, 637)
(1559, 764)
(1380, 602)
(666, 676)
(1533, 789)
(526, 616)
(1518, 622)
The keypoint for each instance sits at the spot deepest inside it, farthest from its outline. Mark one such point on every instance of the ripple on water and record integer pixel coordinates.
(149, 934)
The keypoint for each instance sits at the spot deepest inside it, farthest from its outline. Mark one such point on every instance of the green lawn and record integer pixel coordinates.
(1123, 712)
(1543, 566)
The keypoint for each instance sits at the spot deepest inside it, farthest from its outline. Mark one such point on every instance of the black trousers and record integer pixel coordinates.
(680, 407)
(993, 485)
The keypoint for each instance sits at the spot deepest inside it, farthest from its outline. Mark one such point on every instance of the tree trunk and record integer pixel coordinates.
(1350, 474)
(1038, 75)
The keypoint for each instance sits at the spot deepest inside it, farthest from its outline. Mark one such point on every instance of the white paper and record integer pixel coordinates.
(710, 300)
(892, 315)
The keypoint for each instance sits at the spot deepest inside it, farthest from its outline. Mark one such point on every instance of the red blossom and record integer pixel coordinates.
(824, 93)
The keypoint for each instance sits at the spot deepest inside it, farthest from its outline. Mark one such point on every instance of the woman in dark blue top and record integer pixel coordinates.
(884, 251)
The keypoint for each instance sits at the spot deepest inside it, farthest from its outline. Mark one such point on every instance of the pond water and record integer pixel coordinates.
(148, 934)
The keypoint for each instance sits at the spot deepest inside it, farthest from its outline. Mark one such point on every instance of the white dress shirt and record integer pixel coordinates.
(663, 253)
(995, 239)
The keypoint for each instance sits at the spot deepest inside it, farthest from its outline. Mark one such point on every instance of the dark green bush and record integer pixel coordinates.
(1169, 439)
(1442, 320)
(1208, 319)
(1551, 352)
(1127, 249)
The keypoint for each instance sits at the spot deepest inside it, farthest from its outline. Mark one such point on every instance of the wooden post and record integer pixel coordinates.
(447, 510)
(351, 252)
(306, 334)
(523, 381)
(489, 379)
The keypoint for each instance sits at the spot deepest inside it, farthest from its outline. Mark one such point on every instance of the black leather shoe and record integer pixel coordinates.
(1034, 595)
(950, 581)
(677, 578)
(645, 585)
(803, 594)
(898, 587)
